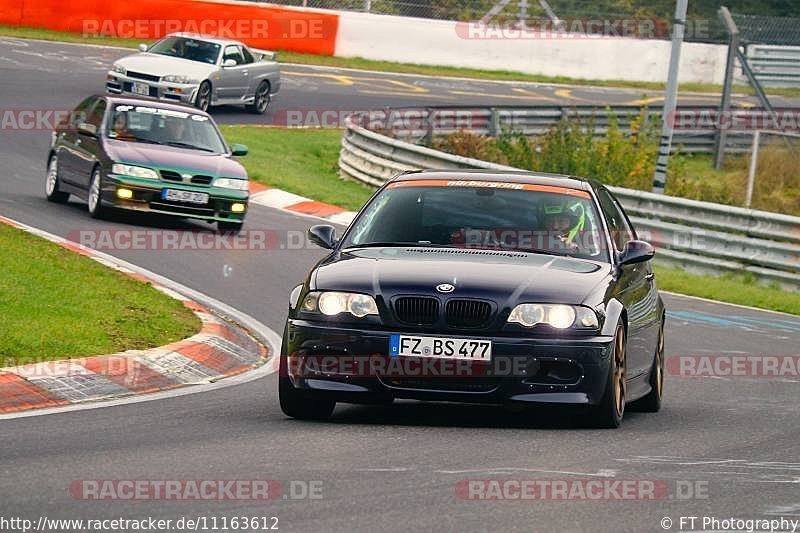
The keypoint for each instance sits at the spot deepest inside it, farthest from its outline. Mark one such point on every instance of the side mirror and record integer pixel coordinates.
(238, 149)
(636, 252)
(229, 63)
(323, 235)
(90, 130)
(143, 47)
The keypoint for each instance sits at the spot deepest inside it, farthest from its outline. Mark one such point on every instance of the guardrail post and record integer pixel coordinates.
(494, 122)
(751, 174)
(427, 140)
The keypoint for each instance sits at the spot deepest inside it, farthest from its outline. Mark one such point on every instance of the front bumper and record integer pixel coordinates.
(353, 365)
(117, 83)
(147, 198)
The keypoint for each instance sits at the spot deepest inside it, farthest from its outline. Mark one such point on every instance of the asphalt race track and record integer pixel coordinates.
(732, 440)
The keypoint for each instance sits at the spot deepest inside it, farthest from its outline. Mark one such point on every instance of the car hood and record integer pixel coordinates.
(160, 65)
(504, 277)
(174, 158)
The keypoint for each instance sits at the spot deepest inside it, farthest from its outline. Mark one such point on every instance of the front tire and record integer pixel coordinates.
(612, 407)
(262, 99)
(298, 403)
(95, 201)
(52, 183)
(203, 99)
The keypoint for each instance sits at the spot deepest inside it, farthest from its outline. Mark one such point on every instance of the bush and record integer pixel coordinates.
(570, 147)
(628, 160)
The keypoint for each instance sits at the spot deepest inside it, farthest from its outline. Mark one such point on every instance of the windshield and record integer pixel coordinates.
(185, 48)
(164, 126)
(482, 215)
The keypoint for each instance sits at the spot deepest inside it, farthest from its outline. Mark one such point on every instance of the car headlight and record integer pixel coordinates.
(177, 78)
(119, 69)
(332, 303)
(134, 171)
(231, 183)
(558, 316)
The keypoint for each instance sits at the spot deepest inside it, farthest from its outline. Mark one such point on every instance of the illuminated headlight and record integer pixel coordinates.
(134, 171)
(231, 183)
(119, 69)
(332, 303)
(176, 78)
(554, 315)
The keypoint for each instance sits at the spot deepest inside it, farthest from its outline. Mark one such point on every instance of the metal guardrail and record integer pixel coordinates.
(775, 66)
(699, 236)
(693, 133)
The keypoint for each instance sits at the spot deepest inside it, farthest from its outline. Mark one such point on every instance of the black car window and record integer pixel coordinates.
(80, 114)
(621, 232)
(233, 52)
(153, 125)
(248, 57)
(95, 116)
(482, 215)
(186, 48)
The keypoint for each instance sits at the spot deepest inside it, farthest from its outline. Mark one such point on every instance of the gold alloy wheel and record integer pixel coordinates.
(619, 372)
(659, 384)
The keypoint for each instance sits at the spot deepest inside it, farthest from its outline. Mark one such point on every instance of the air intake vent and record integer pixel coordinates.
(467, 313)
(462, 251)
(202, 180)
(143, 76)
(417, 310)
(170, 175)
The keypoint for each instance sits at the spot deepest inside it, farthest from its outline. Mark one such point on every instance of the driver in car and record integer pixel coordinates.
(564, 223)
(119, 129)
(175, 129)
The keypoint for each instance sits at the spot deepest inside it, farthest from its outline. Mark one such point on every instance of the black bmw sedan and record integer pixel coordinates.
(510, 288)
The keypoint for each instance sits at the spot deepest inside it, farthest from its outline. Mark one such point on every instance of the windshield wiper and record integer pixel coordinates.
(139, 139)
(522, 250)
(190, 146)
(384, 244)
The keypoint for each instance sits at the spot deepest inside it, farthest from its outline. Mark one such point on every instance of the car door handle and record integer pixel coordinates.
(77, 141)
(245, 72)
(650, 276)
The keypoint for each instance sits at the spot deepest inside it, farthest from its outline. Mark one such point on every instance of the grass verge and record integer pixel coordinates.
(57, 304)
(302, 161)
(731, 288)
(407, 68)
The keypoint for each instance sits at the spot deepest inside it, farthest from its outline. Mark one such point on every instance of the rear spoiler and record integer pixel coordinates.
(265, 55)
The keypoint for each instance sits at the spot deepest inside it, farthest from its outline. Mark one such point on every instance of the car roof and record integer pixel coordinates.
(210, 38)
(515, 176)
(111, 99)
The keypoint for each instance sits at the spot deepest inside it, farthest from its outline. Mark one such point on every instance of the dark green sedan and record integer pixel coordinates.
(141, 155)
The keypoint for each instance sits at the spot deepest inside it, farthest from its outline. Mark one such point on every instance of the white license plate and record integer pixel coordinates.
(184, 196)
(140, 88)
(440, 347)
